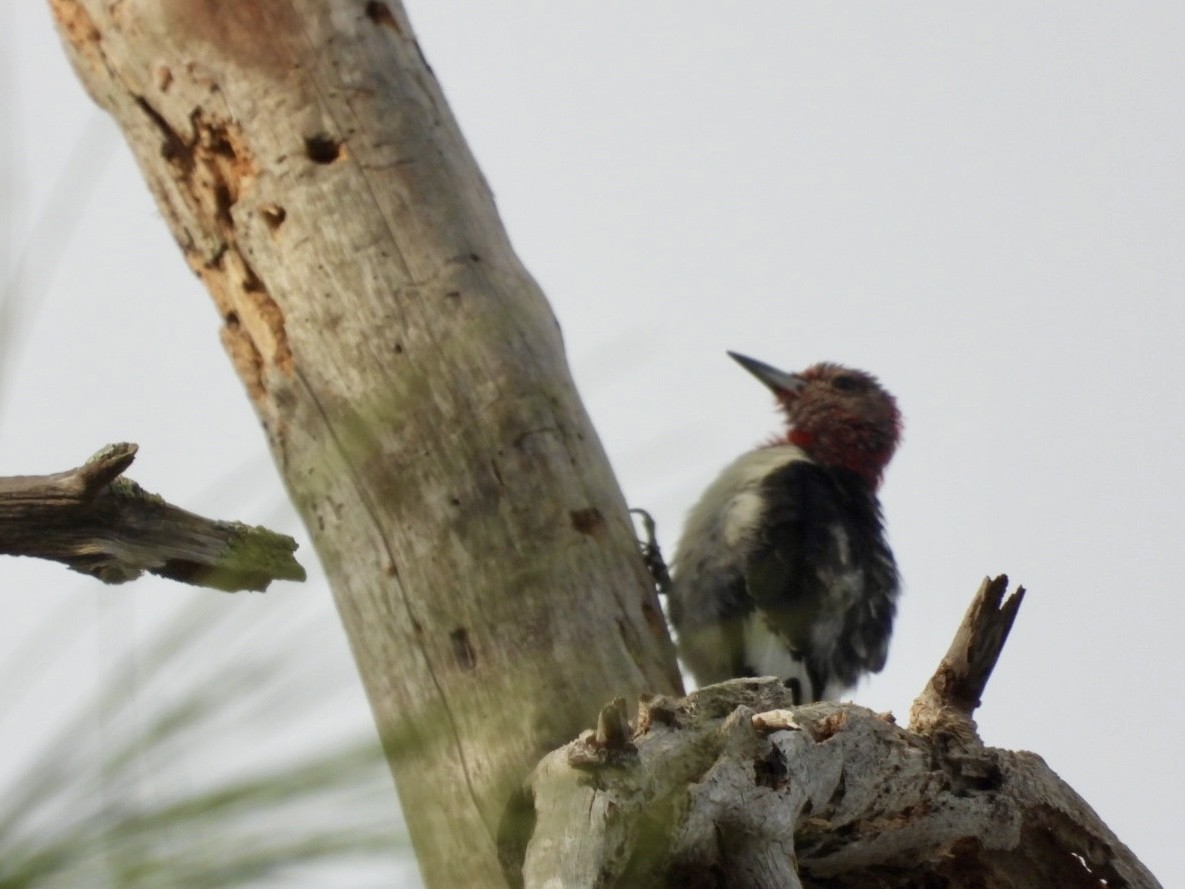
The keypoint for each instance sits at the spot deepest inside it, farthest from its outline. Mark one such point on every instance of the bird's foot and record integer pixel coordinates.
(651, 554)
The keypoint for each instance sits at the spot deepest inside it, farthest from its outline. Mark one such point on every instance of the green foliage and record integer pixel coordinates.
(102, 805)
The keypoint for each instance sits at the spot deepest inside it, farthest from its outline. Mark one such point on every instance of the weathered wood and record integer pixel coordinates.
(410, 378)
(98, 523)
(946, 704)
(734, 787)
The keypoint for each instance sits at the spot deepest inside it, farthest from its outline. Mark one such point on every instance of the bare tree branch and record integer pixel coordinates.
(101, 524)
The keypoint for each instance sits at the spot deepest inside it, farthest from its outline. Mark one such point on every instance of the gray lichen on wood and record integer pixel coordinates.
(97, 522)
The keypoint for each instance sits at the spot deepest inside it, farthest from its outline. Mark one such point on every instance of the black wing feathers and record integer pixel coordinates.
(788, 572)
(822, 561)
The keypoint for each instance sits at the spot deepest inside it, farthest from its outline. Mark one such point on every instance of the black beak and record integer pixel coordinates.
(777, 380)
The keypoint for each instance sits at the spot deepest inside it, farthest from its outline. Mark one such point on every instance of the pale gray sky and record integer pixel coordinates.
(982, 204)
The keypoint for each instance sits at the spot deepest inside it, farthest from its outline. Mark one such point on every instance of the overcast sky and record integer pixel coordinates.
(983, 204)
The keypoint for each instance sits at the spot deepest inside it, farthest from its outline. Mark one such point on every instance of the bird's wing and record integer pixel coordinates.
(803, 548)
(822, 574)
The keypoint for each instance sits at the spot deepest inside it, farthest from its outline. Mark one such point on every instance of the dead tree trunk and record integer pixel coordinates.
(410, 378)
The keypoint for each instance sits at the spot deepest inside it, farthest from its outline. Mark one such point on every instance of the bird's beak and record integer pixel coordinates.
(778, 380)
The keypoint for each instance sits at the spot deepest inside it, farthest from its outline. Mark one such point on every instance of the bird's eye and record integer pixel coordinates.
(846, 383)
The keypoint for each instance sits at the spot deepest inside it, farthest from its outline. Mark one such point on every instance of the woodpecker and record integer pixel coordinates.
(783, 568)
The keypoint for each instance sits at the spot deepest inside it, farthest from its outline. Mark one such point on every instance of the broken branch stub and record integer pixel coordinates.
(97, 522)
(952, 694)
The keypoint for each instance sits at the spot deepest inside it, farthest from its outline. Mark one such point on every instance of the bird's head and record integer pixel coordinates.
(837, 415)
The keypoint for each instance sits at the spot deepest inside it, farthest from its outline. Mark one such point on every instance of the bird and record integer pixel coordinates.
(783, 568)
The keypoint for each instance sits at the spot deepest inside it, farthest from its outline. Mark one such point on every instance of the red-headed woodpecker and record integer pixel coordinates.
(783, 569)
